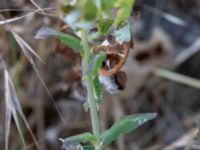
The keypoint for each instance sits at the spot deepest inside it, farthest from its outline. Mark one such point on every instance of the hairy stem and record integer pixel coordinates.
(89, 82)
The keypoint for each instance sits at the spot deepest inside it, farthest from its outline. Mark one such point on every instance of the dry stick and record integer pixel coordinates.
(37, 6)
(177, 77)
(169, 17)
(184, 140)
(6, 21)
(13, 9)
(186, 54)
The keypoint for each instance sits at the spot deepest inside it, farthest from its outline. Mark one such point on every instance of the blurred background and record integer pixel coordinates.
(163, 77)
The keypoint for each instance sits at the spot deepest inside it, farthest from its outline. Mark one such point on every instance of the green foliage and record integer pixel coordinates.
(123, 34)
(104, 25)
(82, 17)
(98, 90)
(125, 125)
(67, 39)
(70, 41)
(125, 8)
(96, 63)
(107, 5)
(67, 9)
(81, 138)
(88, 148)
(93, 67)
(89, 10)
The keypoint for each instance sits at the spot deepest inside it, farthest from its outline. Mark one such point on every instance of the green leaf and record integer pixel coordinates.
(96, 63)
(124, 11)
(89, 10)
(81, 138)
(71, 41)
(125, 125)
(98, 90)
(86, 25)
(88, 147)
(104, 25)
(67, 39)
(66, 8)
(72, 18)
(123, 34)
(107, 5)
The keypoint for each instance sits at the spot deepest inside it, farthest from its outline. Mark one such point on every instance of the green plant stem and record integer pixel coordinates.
(89, 82)
(99, 9)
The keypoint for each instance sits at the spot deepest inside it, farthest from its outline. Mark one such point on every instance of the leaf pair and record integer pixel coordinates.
(74, 142)
(124, 125)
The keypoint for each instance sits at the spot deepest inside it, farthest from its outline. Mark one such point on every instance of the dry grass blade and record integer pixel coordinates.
(26, 47)
(6, 21)
(12, 107)
(8, 111)
(177, 77)
(188, 53)
(37, 6)
(17, 122)
(27, 50)
(184, 141)
(31, 145)
(169, 17)
(13, 9)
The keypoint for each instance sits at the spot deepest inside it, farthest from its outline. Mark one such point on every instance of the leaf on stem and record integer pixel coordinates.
(98, 93)
(69, 40)
(89, 10)
(80, 138)
(123, 34)
(124, 11)
(125, 125)
(104, 25)
(107, 5)
(97, 90)
(96, 63)
(89, 147)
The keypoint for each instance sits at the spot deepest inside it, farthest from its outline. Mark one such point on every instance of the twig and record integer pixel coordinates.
(6, 21)
(190, 81)
(37, 6)
(167, 16)
(185, 140)
(186, 54)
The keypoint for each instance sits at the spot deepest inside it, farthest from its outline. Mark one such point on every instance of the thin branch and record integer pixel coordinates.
(6, 21)
(37, 6)
(190, 81)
